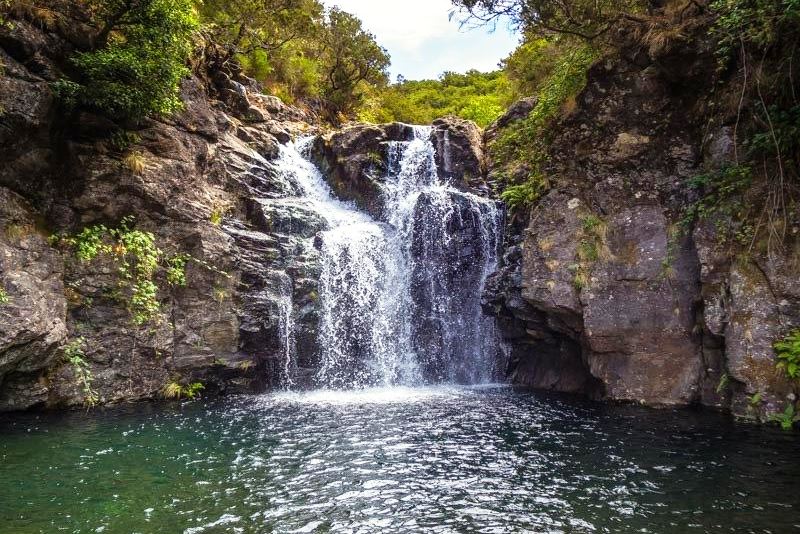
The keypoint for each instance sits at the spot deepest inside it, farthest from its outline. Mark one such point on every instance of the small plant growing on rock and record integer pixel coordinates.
(787, 351)
(176, 269)
(74, 356)
(724, 381)
(134, 162)
(139, 260)
(174, 390)
(122, 140)
(787, 418)
(592, 247)
(520, 196)
(216, 216)
(4, 298)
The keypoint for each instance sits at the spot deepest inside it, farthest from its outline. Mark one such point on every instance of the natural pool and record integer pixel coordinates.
(457, 460)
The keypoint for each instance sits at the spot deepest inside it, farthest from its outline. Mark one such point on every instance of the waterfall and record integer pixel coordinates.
(399, 298)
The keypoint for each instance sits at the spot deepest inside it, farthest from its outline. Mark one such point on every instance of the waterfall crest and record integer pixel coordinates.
(399, 298)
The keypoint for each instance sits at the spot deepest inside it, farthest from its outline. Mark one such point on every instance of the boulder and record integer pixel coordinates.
(459, 153)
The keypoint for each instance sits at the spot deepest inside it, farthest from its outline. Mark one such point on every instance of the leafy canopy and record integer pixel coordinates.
(140, 56)
(476, 96)
(587, 19)
(253, 29)
(351, 58)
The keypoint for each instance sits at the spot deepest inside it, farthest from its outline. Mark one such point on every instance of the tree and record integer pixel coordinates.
(248, 27)
(350, 58)
(139, 57)
(587, 19)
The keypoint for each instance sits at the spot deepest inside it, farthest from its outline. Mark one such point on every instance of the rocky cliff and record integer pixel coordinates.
(201, 182)
(605, 290)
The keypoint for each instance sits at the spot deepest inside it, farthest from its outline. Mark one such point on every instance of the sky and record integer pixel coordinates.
(423, 42)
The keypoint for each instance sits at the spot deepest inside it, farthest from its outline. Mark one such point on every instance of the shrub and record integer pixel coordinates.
(140, 59)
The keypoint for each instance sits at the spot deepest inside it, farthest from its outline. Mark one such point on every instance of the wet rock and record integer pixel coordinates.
(459, 152)
(354, 160)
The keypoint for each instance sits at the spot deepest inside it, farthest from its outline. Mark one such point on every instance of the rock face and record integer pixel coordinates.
(33, 313)
(355, 161)
(198, 181)
(459, 153)
(603, 292)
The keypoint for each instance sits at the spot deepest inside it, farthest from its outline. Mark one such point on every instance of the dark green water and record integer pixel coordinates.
(435, 460)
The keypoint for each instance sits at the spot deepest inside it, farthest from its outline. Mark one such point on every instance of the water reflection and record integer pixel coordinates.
(396, 460)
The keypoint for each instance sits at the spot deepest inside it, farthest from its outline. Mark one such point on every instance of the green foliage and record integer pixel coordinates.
(752, 23)
(519, 196)
(301, 53)
(176, 269)
(216, 216)
(521, 147)
(587, 19)
(783, 138)
(175, 390)
(724, 382)
(139, 60)
(787, 418)
(592, 247)
(75, 356)
(252, 29)
(756, 44)
(138, 260)
(787, 351)
(721, 201)
(525, 140)
(351, 59)
(476, 96)
(532, 63)
(122, 140)
(4, 298)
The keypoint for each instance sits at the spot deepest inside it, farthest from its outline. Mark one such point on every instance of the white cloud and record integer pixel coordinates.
(423, 42)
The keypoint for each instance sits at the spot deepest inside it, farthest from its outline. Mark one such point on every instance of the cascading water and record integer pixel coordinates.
(399, 299)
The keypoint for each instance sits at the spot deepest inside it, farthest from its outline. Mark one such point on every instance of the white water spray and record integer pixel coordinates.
(399, 300)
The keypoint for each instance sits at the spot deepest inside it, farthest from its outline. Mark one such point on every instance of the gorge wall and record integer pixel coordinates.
(656, 312)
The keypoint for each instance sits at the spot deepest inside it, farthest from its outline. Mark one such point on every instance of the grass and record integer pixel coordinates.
(134, 161)
(175, 390)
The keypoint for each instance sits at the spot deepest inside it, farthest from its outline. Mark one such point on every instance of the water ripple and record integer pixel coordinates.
(440, 460)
